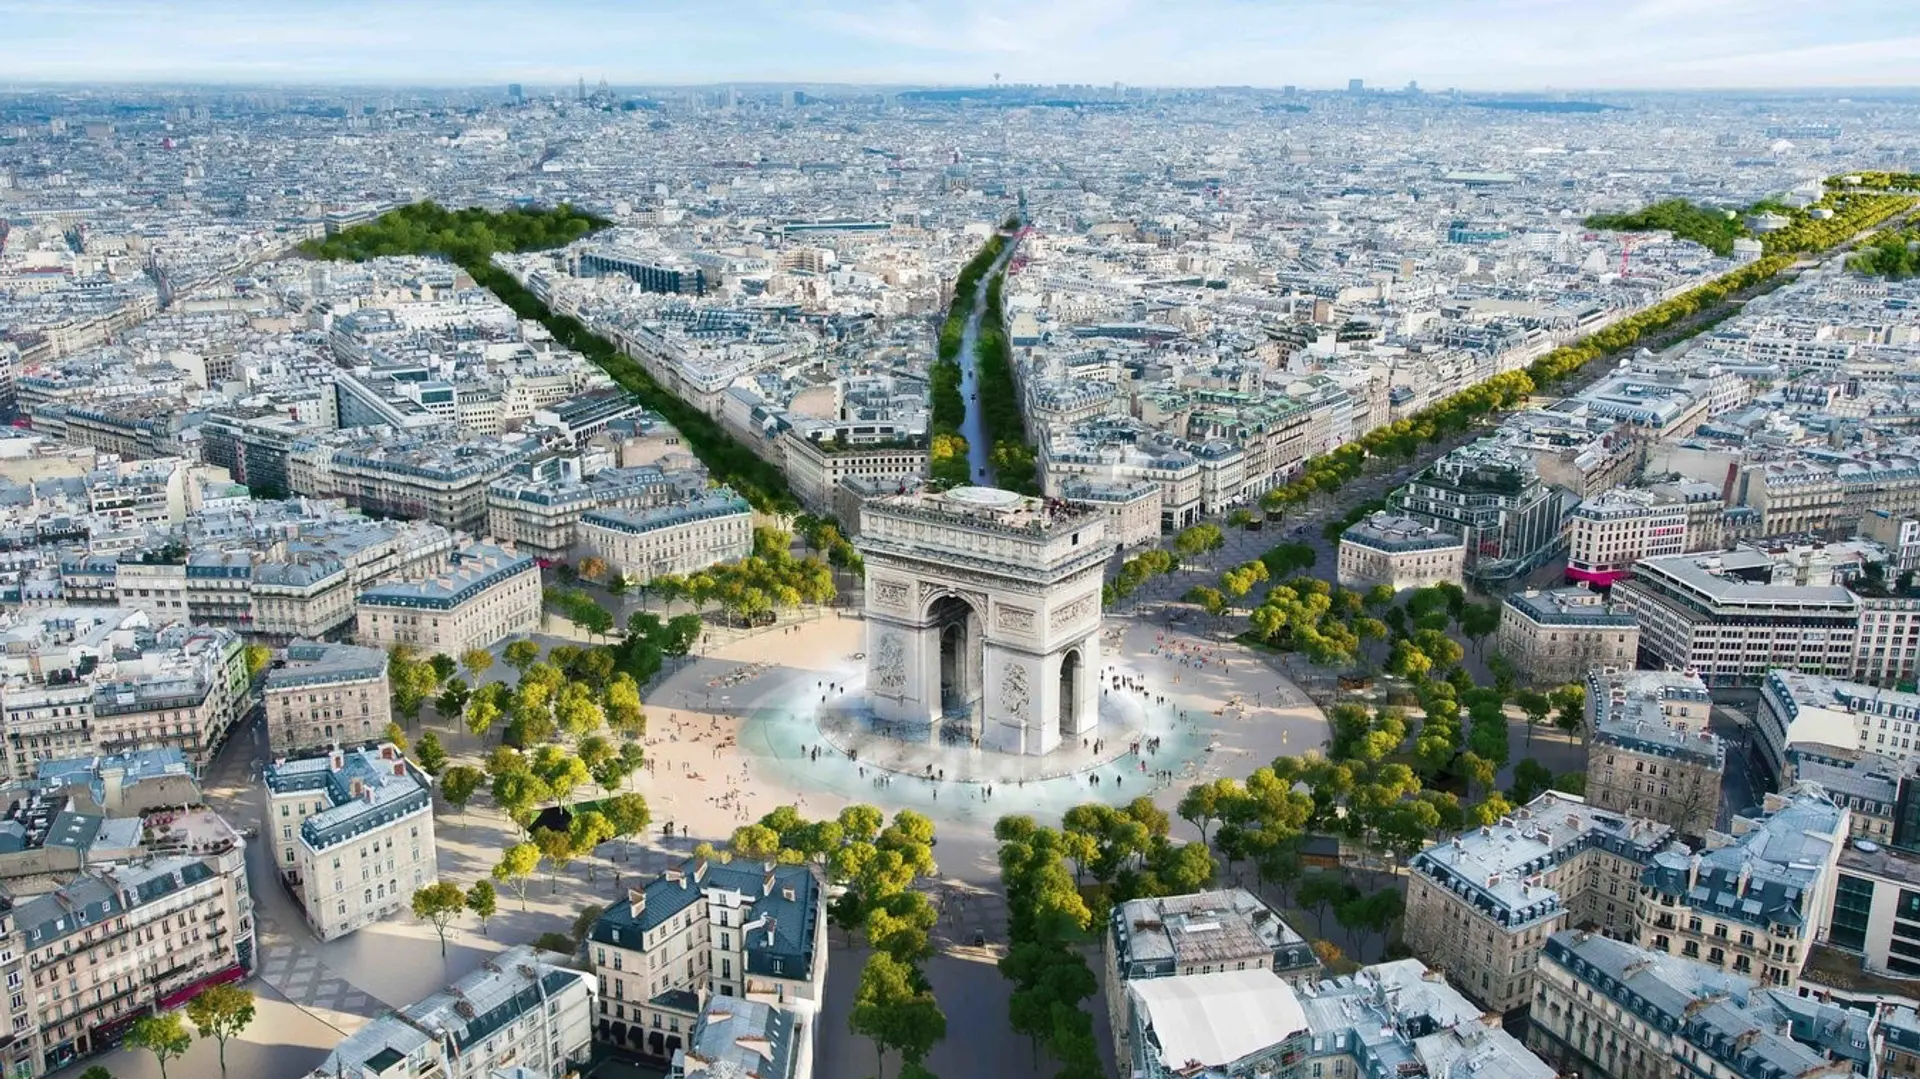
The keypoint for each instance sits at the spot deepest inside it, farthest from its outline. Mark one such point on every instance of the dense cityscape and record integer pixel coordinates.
(815, 580)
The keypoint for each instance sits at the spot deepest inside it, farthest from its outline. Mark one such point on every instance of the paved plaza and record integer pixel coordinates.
(725, 745)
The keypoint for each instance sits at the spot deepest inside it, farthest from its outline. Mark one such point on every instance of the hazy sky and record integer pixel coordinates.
(1493, 44)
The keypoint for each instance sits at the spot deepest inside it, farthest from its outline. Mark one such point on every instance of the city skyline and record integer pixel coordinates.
(1494, 45)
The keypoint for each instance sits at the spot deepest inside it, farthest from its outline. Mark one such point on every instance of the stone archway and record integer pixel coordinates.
(1067, 715)
(974, 598)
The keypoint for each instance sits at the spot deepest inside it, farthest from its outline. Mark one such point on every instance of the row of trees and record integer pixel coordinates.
(472, 236)
(1048, 923)
(823, 534)
(1126, 853)
(220, 1012)
(1137, 571)
(1853, 211)
(1893, 253)
(947, 408)
(1014, 464)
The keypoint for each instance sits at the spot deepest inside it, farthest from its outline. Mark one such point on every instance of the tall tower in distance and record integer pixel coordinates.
(1356, 86)
(582, 93)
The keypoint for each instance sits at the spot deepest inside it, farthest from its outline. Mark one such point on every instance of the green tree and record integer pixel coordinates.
(394, 734)
(516, 868)
(477, 662)
(258, 658)
(96, 1072)
(521, 655)
(438, 904)
(1571, 702)
(459, 784)
(1478, 622)
(586, 830)
(483, 902)
(1530, 777)
(1322, 892)
(163, 1034)
(431, 755)
(893, 1009)
(556, 846)
(452, 700)
(221, 1012)
(1537, 707)
(629, 816)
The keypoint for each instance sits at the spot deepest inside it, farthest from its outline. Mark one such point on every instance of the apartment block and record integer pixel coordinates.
(1492, 496)
(326, 695)
(1481, 905)
(523, 1014)
(816, 468)
(1381, 1022)
(677, 539)
(1132, 509)
(483, 595)
(1399, 552)
(412, 475)
(1558, 635)
(1751, 900)
(145, 912)
(1202, 933)
(80, 681)
(1609, 1010)
(1809, 714)
(1649, 753)
(1724, 617)
(351, 834)
(537, 507)
(708, 931)
(1609, 532)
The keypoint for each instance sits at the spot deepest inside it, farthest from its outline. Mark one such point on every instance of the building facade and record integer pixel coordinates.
(710, 931)
(327, 695)
(351, 834)
(485, 595)
(1649, 753)
(679, 539)
(1558, 635)
(112, 945)
(1482, 905)
(1609, 1010)
(1401, 553)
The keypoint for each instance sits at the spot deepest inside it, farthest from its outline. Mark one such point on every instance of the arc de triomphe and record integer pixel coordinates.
(983, 617)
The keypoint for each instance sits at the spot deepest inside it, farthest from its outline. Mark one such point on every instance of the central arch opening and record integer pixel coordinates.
(960, 656)
(1069, 700)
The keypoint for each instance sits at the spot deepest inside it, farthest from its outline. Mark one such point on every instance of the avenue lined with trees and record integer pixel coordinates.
(471, 237)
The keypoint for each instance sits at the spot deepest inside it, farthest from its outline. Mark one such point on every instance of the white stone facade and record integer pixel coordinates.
(983, 617)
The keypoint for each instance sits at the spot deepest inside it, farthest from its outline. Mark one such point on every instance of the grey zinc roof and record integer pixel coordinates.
(313, 663)
(739, 1037)
(391, 788)
(1764, 875)
(1498, 867)
(786, 935)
